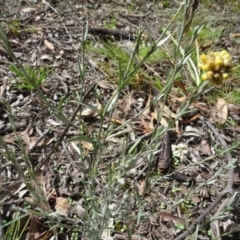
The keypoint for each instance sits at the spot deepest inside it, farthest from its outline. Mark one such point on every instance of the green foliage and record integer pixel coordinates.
(186, 206)
(110, 23)
(231, 96)
(14, 27)
(118, 57)
(17, 226)
(125, 67)
(37, 74)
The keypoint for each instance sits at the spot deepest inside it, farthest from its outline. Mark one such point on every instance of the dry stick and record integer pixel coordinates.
(215, 224)
(228, 157)
(64, 131)
(119, 34)
(47, 216)
(135, 15)
(221, 195)
(146, 135)
(1, 227)
(38, 140)
(17, 126)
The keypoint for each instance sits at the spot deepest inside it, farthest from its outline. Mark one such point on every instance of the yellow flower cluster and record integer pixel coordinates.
(216, 66)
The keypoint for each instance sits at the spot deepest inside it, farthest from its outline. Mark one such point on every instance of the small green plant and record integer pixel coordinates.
(116, 55)
(175, 190)
(110, 23)
(38, 74)
(14, 27)
(186, 205)
(179, 226)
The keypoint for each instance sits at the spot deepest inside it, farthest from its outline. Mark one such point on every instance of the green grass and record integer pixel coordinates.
(22, 81)
(115, 56)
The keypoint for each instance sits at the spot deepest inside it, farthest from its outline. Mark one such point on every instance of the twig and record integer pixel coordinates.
(12, 202)
(125, 131)
(215, 224)
(64, 131)
(118, 34)
(56, 217)
(147, 135)
(18, 126)
(60, 19)
(135, 15)
(68, 154)
(1, 227)
(139, 139)
(38, 140)
(227, 154)
(222, 194)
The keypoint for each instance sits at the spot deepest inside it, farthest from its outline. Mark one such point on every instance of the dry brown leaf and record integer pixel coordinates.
(193, 118)
(27, 10)
(221, 109)
(105, 85)
(181, 86)
(118, 121)
(3, 86)
(65, 74)
(166, 111)
(9, 138)
(89, 112)
(44, 142)
(147, 110)
(162, 121)
(199, 106)
(53, 122)
(87, 145)
(179, 133)
(80, 211)
(34, 230)
(165, 216)
(205, 148)
(62, 206)
(46, 57)
(177, 99)
(106, 234)
(24, 135)
(141, 187)
(35, 226)
(39, 187)
(44, 235)
(48, 44)
(196, 199)
(125, 104)
(146, 125)
(152, 124)
(234, 112)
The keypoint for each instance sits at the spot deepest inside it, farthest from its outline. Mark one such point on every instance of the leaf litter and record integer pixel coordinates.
(44, 41)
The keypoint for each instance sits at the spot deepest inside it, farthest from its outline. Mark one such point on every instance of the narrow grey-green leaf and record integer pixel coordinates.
(82, 138)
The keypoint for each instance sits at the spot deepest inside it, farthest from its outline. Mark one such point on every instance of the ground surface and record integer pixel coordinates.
(98, 184)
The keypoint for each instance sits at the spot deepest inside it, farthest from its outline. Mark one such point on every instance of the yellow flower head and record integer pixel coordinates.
(216, 66)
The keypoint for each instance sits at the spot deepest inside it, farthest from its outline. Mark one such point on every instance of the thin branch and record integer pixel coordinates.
(38, 140)
(222, 194)
(64, 131)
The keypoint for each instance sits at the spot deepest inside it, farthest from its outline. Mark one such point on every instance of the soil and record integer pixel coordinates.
(48, 36)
